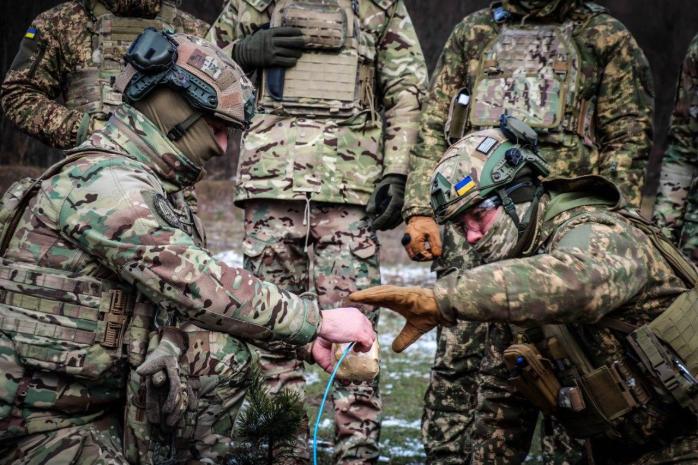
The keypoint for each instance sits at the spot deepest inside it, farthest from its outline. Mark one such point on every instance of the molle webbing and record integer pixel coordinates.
(91, 89)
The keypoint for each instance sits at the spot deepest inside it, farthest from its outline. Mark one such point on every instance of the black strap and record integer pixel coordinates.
(179, 129)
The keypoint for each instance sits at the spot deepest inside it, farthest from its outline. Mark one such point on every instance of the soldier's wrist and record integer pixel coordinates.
(447, 314)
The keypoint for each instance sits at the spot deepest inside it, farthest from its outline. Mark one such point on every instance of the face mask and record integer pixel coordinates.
(134, 8)
(502, 237)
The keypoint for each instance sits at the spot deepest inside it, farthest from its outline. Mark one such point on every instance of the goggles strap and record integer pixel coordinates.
(179, 129)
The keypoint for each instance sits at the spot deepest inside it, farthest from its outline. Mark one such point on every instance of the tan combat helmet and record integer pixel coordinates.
(211, 82)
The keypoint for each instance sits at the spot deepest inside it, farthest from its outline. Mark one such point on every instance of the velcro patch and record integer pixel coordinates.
(31, 33)
(206, 63)
(486, 145)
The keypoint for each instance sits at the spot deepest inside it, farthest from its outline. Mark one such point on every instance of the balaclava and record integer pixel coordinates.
(498, 243)
(167, 108)
(539, 8)
(134, 8)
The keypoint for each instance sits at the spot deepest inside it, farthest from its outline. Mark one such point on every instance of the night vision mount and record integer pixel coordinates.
(154, 56)
(518, 132)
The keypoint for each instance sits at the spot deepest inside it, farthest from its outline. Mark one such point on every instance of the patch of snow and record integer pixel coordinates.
(392, 422)
(230, 258)
(413, 274)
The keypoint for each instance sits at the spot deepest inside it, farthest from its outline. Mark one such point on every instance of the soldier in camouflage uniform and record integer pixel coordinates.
(73, 51)
(101, 246)
(314, 155)
(676, 210)
(570, 272)
(565, 67)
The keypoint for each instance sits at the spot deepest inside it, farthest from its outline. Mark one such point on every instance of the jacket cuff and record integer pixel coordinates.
(311, 322)
(409, 212)
(442, 290)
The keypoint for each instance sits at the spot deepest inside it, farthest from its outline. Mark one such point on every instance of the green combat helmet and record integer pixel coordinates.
(211, 82)
(490, 168)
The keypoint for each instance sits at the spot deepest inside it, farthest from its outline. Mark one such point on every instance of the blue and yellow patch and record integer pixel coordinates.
(464, 186)
(31, 33)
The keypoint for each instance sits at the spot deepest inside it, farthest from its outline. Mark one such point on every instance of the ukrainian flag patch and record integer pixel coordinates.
(31, 33)
(464, 186)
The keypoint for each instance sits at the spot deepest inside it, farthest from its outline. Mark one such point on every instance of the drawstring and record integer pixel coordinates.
(306, 220)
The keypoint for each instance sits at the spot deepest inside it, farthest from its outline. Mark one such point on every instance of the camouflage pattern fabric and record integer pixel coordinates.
(215, 369)
(345, 259)
(676, 210)
(114, 215)
(616, 77)
(56, 46)
(335, 159)
(617, 72)
(592, 261)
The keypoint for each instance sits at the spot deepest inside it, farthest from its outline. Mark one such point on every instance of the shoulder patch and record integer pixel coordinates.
(384, 4)
(167, 213)
(259, 5)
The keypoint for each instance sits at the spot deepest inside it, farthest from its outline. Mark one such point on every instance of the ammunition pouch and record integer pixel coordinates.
(533, 376)
(82, 326)
(668, 349)
(329, 79)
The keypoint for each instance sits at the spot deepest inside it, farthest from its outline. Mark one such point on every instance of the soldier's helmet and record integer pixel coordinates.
(487, 168)
(210, 81)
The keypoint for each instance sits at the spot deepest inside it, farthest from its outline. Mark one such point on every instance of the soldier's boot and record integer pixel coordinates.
(347, 260)
(216, 367)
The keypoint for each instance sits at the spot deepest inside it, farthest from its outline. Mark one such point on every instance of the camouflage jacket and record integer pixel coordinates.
(110, 214)
(676, 210)
(335, 159)
(613, 129)
(57, 44)
(589, 262)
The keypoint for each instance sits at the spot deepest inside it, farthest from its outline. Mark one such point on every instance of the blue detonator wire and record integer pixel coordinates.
(324, 399)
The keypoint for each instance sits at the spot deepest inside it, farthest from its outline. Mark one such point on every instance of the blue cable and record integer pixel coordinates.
(324, 399)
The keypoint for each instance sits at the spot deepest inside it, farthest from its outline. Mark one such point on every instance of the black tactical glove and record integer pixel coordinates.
(278, 46)
(386, 202)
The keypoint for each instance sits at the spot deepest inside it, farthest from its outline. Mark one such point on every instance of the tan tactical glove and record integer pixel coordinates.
(422, 239)
(167, 397)
(416, 304)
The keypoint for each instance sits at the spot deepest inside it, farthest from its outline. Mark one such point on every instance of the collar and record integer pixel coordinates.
(552, 10)
(131, 134)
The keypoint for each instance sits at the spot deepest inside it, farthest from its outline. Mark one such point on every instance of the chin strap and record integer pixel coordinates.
(179, 129)
(524, 193)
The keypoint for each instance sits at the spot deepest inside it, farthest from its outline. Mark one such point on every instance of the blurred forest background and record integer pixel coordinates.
(662, 27)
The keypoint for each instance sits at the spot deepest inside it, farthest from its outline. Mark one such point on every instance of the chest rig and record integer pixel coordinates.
(329, 79)
(530, 71)
(59, 322)
(91, 88)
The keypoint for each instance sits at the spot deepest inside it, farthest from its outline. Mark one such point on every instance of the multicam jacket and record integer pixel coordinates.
(332, 159)
(591, 99)
(112, 215)
(589, 262)
(677, 198)
(62, 43)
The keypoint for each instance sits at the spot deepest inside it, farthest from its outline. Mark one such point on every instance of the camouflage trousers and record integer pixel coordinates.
(94, 443)
(54, 418)
(216, 367)
(452, 397)
(279, 238)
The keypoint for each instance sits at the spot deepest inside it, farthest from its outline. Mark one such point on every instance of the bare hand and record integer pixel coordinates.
(347, 325)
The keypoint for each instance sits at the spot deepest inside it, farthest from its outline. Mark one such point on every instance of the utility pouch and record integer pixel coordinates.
(324, 26)
(533, 376)
(668, 349)
(457, 116)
